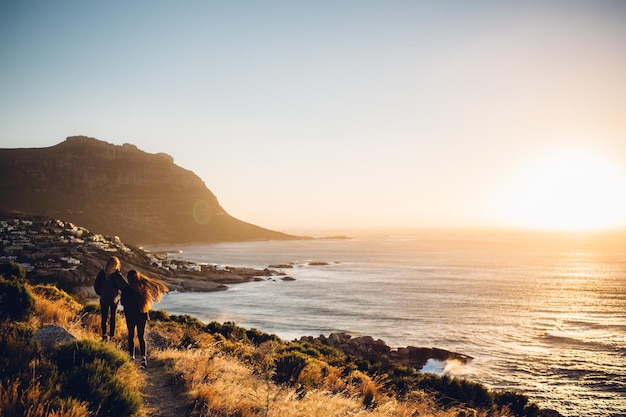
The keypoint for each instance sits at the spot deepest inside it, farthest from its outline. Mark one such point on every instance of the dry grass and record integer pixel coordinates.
(226, 378)
(54, 307)
(37, 402)
(222, 385)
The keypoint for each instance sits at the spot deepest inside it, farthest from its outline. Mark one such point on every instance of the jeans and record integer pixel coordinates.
(108, 313)
(138, 321)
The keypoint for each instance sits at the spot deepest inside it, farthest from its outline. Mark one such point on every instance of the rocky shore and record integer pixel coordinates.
(69, 257)
(369, 348)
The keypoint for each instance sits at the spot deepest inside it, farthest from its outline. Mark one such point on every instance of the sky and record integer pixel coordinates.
(341, 114)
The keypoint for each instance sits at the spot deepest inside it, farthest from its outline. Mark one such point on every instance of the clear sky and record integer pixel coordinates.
(341, 114)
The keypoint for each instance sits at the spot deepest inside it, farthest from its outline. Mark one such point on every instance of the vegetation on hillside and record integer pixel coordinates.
(221, 369)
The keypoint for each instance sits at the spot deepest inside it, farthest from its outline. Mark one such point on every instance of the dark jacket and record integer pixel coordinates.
(108, 287)
(131, 301)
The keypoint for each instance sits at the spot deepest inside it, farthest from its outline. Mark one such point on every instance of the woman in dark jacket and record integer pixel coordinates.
(137, 297)
(107, 286)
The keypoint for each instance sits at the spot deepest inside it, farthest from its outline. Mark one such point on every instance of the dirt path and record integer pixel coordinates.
(161, 398)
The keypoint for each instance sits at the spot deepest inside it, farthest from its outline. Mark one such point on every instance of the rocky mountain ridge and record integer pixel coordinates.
(119, 190)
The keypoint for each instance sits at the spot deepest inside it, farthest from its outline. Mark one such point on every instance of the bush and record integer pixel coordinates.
(187, 321)
(16, 301)
(81, 352)
(323, 352)
(88, 371)
(12, 270)
(229, 330)
(53, 293)
(189, 341)
(160, 315)
(288, 366)
(17, 349)
(90, 308)
(257, 337)
(35, 401)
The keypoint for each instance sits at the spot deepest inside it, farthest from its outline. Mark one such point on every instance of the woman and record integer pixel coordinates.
(137, 297)
(107, 286)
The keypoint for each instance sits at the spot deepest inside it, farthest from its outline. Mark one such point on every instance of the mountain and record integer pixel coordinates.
(119, 190)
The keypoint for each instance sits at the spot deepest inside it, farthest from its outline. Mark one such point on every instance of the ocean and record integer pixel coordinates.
(543, 314)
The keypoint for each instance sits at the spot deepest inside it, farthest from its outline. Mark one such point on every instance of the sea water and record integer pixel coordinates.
(541, 314)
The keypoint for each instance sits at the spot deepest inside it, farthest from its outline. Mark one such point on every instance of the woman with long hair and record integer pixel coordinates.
(107, 285)
(137, 297)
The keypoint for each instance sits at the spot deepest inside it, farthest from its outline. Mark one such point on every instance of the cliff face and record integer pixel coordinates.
(119, 190)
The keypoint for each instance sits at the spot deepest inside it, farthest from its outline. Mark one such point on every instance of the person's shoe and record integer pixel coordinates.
(132, 358)
(144, 362)
(105, 338)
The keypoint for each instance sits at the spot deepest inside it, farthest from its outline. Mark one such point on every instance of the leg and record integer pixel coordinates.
(113, 317)
(130, 325)
(141, 329)
(104, 313)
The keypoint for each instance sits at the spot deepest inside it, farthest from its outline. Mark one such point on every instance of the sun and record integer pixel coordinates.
(569, 190)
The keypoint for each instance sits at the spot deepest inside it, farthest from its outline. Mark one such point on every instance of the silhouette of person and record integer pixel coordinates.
(107, 286)
(137, 297)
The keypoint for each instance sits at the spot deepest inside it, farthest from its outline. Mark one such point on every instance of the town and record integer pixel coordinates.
(70, 256)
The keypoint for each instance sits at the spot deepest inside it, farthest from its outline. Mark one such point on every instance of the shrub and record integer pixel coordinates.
(16, 301)
(257, 337)
(88, 371)
(288, 367)
(90, 317)
(54, 306)
(323, 352)
(90, 308)
(188, 321)
(314, 374)
(55, 294)
(17, 349)
(12, 270)
(160, 315)
(517, 403)
(35, 401)
(189, 341)
(229, 330)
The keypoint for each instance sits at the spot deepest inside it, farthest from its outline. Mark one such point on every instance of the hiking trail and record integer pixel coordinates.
(160, 395)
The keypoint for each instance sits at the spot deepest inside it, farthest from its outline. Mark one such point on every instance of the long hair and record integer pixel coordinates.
(147, 289)
(113, 264)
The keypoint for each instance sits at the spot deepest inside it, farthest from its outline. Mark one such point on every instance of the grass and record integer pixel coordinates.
(221, 384)
(222, 369)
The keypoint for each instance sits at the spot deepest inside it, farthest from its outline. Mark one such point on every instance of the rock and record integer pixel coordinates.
(368, 348)
(288, 278)
(403, 351)
(51, 335)
(338, 339)
(363, 340)
(281, 266)
(417, 357)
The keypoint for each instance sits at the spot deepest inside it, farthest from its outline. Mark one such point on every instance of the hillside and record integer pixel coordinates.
(119, 190)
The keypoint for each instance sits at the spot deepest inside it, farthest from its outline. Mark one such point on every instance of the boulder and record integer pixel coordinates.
(51, 335)
(377, 350)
